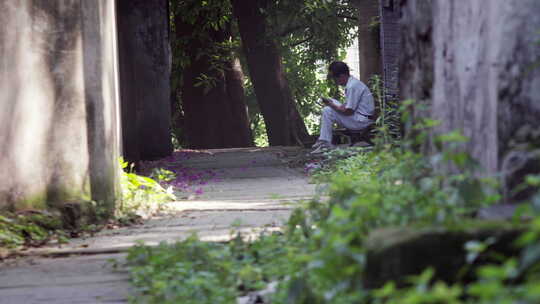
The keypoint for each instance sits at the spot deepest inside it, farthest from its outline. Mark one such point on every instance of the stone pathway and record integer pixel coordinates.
(256, 190)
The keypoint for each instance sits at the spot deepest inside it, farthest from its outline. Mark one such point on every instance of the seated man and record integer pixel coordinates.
(355, 114)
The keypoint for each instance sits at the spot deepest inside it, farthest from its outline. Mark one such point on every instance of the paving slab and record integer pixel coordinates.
(256, 191)
(79, 279)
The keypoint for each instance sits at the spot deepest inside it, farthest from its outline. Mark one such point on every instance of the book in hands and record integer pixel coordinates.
(332, 100)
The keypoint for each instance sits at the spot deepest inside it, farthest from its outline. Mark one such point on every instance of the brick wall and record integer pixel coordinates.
(390, 46)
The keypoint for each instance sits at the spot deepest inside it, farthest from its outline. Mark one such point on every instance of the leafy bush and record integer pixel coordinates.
(388, 124)
(513, 280)
(197, 272)
(141, 194)
(320, 257)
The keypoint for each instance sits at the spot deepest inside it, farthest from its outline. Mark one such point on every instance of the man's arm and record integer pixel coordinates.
(338, 107)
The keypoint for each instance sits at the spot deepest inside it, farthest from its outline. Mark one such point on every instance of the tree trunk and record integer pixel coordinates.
(145, 69)
(214, 115)
(416, 62)
(284, 125)
(369, 48)
(241, 136)
(485, 70)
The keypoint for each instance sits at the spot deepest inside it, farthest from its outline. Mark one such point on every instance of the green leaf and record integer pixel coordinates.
(452, 137)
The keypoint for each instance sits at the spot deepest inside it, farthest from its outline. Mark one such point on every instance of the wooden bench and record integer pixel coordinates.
(345, 136)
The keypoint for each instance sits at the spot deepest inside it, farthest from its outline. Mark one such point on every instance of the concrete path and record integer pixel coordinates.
(254, 190)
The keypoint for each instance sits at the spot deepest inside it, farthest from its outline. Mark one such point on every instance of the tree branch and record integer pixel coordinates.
(347, 17)
(301, 41)
(290, 30)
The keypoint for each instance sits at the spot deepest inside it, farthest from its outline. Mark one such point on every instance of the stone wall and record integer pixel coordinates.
(145, 70)
(58, 103)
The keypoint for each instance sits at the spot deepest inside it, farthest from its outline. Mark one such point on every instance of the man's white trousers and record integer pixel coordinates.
(330, 116)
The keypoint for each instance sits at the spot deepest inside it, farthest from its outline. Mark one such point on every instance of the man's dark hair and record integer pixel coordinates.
(337, 68)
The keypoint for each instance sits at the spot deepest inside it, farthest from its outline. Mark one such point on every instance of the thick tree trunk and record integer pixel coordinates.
(416, 61)
(486, 79)
(284, 125)
(215, 116)
(241, 135)
(369, 47)
(145, 69)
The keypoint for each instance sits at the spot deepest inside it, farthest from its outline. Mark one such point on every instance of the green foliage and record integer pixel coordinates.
(309, 33)
(320, 27)
(320, 258)
(388, 125)
(162, 175)
(187, 272)
(259, 130)
(514, 280)
(307, 81)
(36, 228)
(368, 191)
(193, 29)
(197, 272)
(202, 18)
(32, 229)
(141, 193)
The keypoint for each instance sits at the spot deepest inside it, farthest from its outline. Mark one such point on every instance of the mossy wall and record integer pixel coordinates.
(58, 103)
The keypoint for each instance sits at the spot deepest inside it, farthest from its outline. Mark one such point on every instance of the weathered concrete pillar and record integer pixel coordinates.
(59, 138)
(485, 62)
(145, 70)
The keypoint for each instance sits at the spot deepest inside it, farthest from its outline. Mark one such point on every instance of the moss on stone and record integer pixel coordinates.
(75, 207)
(35, 201)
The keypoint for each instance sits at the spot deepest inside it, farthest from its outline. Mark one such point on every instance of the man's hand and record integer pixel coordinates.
(336, 106)
(326, 101)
